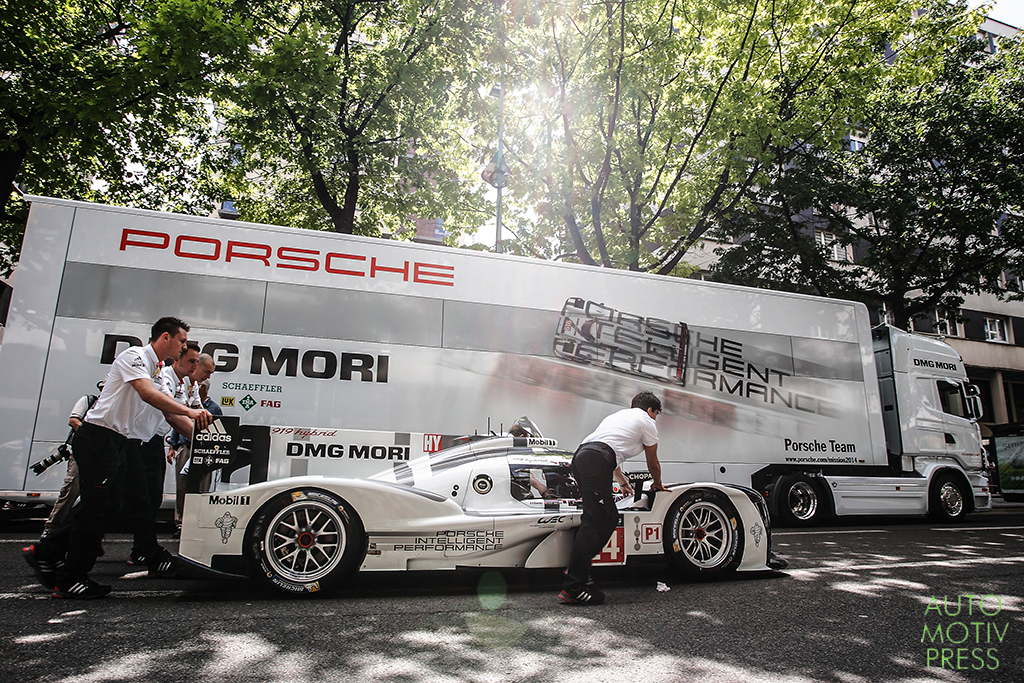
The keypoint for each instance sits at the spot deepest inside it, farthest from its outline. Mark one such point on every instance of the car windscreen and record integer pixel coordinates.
(546, 481)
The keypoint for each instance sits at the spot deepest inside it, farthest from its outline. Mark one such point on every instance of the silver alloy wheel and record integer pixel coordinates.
(705, 535)
(305, 541)
(803, 500)
(951, 499)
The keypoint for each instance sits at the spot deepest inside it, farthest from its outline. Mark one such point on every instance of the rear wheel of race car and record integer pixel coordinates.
(800, 501)
(304, 541)
(947, 498)
(703, 536)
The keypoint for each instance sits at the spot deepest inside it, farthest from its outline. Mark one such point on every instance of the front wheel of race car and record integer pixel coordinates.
(703, 536)
(305, 540)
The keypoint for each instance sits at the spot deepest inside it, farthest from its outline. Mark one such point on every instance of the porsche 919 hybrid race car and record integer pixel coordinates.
(500, 502)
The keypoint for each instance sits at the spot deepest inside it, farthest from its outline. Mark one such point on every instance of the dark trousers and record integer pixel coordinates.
(101, 456)
(143, 494)
(592, 466)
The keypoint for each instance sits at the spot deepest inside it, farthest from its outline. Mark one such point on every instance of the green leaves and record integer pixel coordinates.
(660, 117)
(103, 101)
(928, 206)
(634, 129)
(352, 104)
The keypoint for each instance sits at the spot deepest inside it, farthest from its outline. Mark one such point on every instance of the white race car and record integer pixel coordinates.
(500, 502)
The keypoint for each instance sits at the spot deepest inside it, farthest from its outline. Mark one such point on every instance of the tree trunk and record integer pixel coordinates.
(348, 210)
(323, 194)
(11, 160)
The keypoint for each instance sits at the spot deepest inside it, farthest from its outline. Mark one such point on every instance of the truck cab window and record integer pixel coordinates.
(952, 399)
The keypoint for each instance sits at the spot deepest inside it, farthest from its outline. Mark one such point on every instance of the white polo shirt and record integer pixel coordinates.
(119, 406)
(81, 408)
(194, 401)
(627, 432)
(178, 389)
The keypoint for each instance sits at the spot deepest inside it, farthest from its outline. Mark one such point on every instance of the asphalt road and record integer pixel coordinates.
(860, 601)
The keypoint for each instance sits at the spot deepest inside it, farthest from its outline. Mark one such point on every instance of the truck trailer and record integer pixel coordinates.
(795, 396)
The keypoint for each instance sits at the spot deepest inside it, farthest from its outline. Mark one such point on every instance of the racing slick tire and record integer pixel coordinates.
(703, 534)
(800, 500)
(304, 541)
(947, 498)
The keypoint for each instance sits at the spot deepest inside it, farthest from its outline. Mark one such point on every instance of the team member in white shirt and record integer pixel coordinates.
(620, 436)
(100, 448)
(179, 445)
(144, 484)
(69, 488)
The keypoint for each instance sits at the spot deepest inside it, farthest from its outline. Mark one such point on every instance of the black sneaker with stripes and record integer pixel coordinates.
(86, 589)
(161, 563)
(135, 559)
(45, 569)
(582, 595)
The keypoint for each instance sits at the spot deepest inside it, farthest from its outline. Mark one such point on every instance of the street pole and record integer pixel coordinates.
(501, 162)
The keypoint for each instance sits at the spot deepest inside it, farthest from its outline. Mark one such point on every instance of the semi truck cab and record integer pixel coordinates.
(929, 409)
(929, 414)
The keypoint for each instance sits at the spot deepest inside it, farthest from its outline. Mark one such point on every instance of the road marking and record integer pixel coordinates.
(907, 565)
(978, 528)
(113, 594)
(30, 541)
(811, 532)
(830, 533)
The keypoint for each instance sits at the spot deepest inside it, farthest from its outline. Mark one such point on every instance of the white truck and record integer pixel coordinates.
(794, 396)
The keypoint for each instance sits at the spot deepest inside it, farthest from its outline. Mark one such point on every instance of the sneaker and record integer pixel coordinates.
(162, 563)
(46, 570)
(583, 595)
(136, 559)
(86, 589)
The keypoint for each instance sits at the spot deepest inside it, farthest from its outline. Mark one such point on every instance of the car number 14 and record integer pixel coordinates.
(614, 552)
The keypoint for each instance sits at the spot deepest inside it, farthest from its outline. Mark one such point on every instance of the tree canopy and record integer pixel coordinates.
(350, 115)
(633, 128)
(103, 100)
(927, 210)
(637, 124)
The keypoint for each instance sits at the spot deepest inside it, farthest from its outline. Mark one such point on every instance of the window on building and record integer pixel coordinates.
(990, 40)
(946, 323)
(1013, 282)
(829, 242)
(853, 144)
(995, 329)
(1014, 392)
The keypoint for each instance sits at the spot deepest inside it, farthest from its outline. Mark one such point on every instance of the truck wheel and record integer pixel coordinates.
(702, 538)
(947, 500)
(800, 501)
(304, 541)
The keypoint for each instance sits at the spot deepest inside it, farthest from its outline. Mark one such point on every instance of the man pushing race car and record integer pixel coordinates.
(620, 436)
